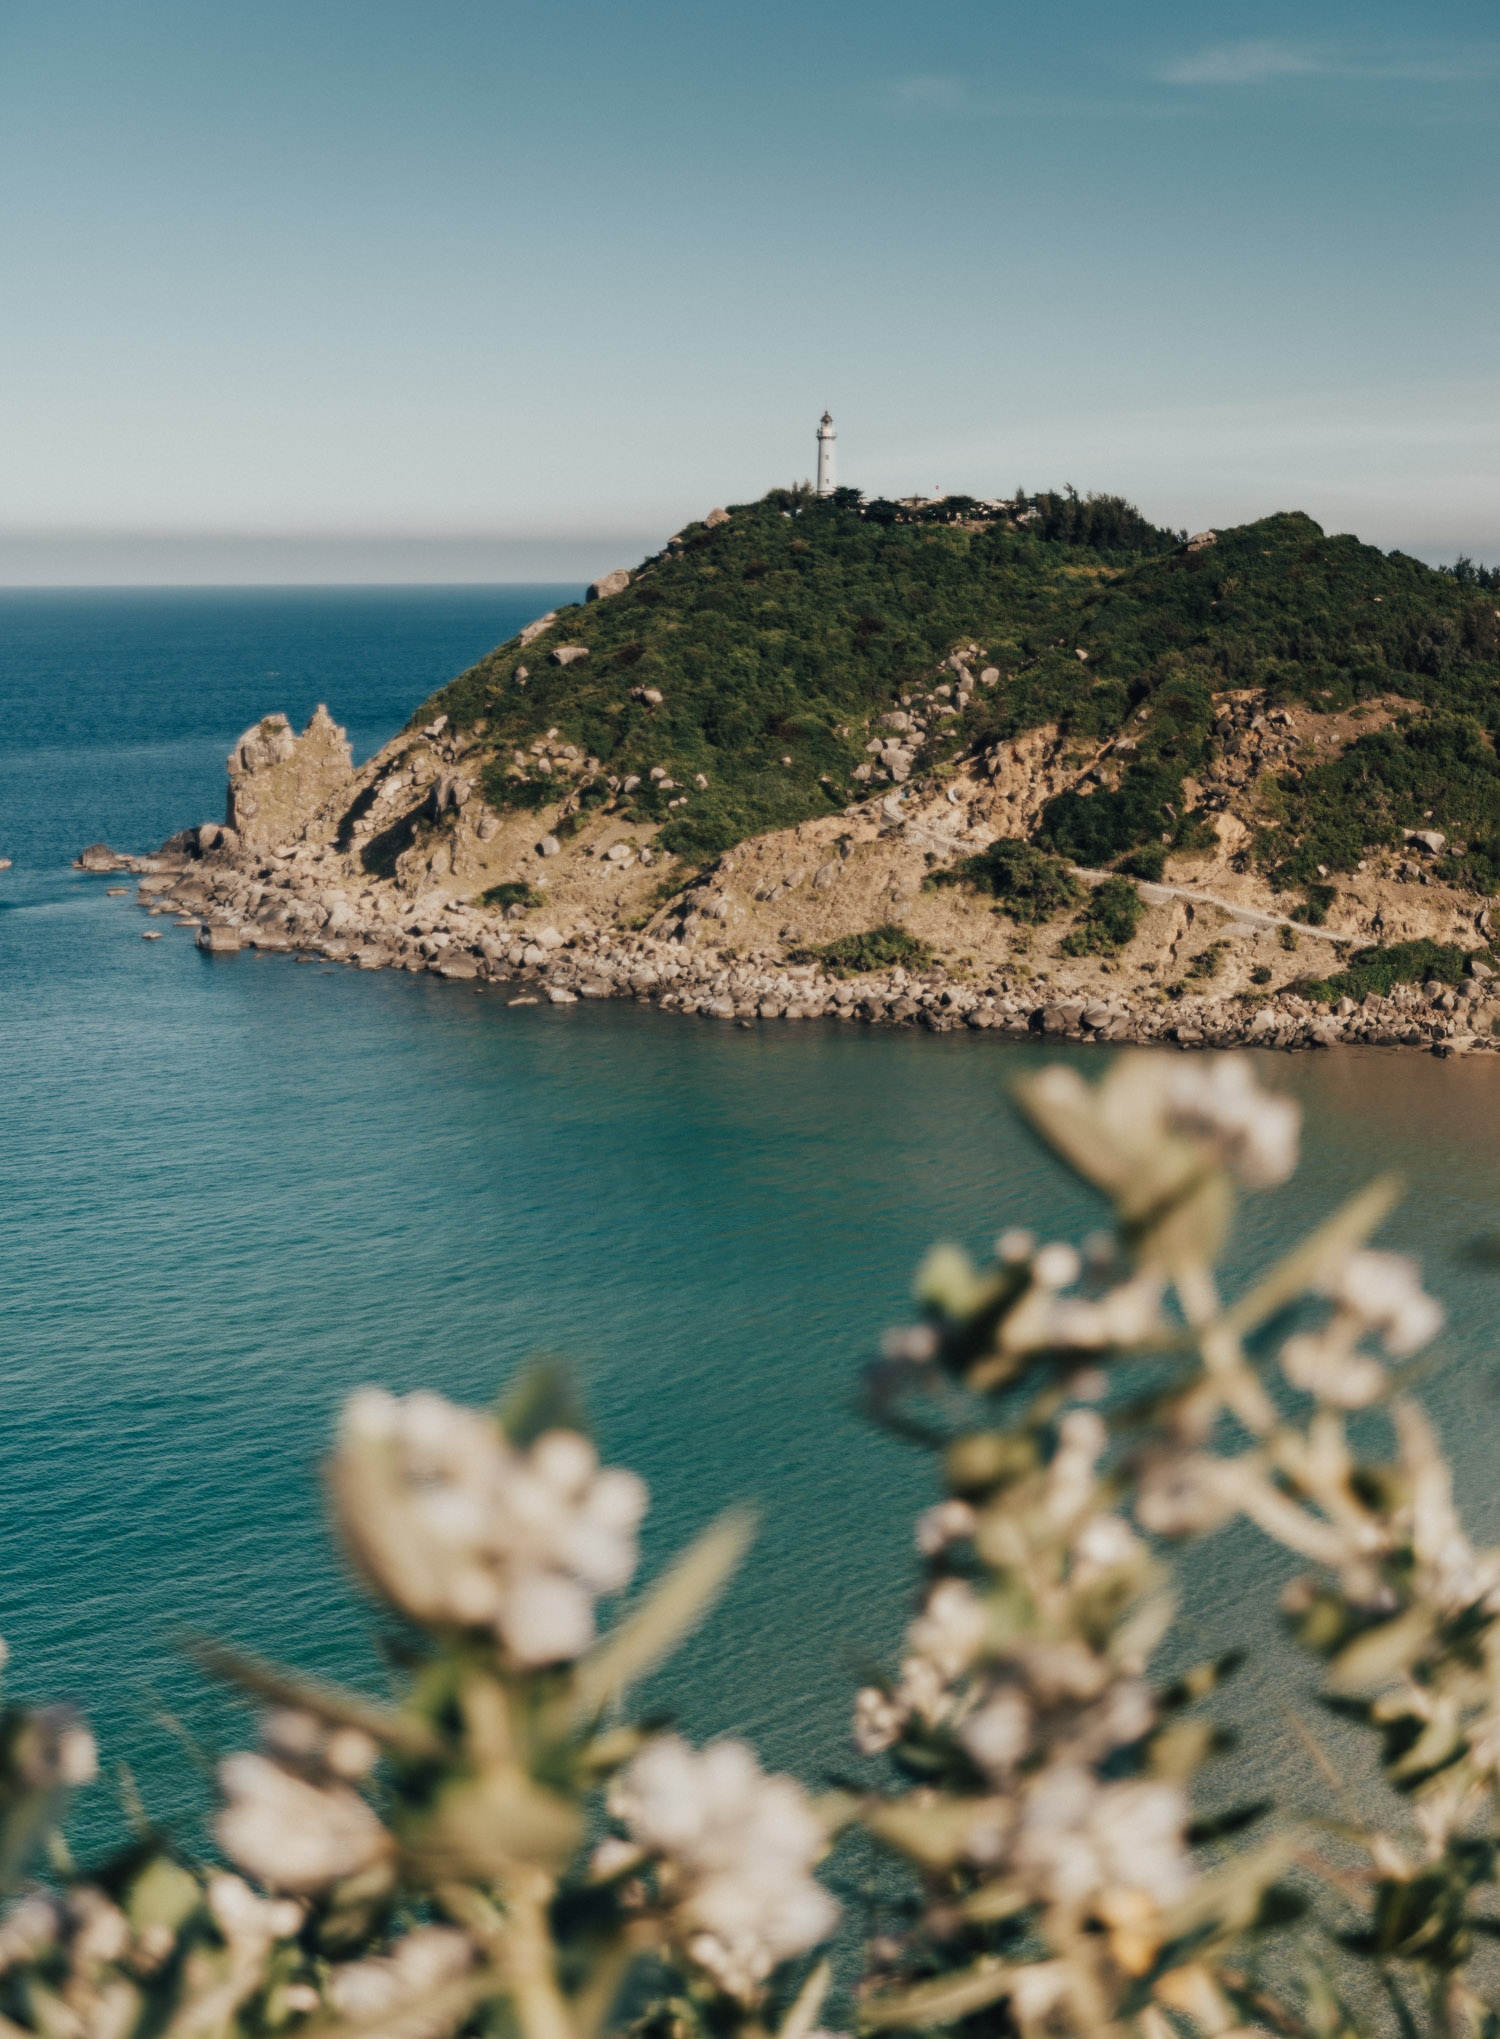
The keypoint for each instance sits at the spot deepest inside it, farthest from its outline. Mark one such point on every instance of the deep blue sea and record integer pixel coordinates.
(233, 1188)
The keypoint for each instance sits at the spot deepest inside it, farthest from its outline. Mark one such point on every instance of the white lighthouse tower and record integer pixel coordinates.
(826, 437)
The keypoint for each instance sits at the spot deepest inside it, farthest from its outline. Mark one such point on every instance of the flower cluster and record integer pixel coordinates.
(460, 1529)
(734, 1851)
(292, 1832)
(1375, 1295)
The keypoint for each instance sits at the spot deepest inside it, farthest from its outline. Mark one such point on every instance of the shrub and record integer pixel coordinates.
(502, 1843)
(878, 948)
(1030, 885)
(1261, 974)
(1148, 862)
(1379, 969)
(1108, 922)
(513, 892)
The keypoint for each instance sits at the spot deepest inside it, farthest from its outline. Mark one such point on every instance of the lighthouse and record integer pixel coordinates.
(826, 437)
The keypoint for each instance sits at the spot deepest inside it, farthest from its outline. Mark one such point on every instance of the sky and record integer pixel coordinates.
(348, 290)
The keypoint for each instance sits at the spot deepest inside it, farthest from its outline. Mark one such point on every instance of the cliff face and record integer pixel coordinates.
(284, 787)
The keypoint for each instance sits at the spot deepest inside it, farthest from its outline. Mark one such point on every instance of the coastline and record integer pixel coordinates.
(309, 903)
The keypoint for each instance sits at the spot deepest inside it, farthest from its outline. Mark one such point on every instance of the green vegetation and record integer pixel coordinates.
(878, 948)
(777, 639)
(1108, 922)
(1029, 885)
(1437, 770)
(1315, 906)
(1207, 961)
(514, 892)
(1261, 974)
(1148, 862)
(1378, 969)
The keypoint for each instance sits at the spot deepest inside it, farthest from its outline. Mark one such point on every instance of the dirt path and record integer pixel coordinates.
(1154, 892)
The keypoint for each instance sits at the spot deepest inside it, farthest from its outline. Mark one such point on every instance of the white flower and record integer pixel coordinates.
(291, 1835)
(998, 1735)
(947, 1522)
(1070, 1475)
(1104, 1543)
(950, 1628)
(460, 1528)
(249, 1921)
(878, 1720)
(1015, 1247)
(389, 1994)
(738, 1849)
(924, 1691)
(1383, 1293)
(1079, 1837)
(1217, 1099)
(347, 1752)
(33, 1925)
(1183, 1494)
(1326, 1368)
(1056, 1267)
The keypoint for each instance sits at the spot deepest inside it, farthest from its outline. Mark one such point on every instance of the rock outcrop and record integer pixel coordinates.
(285, 788)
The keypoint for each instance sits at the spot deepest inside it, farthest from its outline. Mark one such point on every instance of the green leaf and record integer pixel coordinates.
(803, 2016)
(934, 1835)
(1376, 1655)
(313, 1695)
(544, 1399)
(1342, 1233)
(1232, 1896)
(941, 2002)
(670, 1611)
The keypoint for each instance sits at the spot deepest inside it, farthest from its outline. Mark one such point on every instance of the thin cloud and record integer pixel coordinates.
(928, 93)
(1266, 63)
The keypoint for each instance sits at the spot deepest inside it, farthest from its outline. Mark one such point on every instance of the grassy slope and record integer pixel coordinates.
(781, 633)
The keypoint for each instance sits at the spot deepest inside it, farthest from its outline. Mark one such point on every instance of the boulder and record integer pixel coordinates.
(550, 938)
(1096, 1016)
(1430, 839)
(556, 995)
(534, 630)
(608, 584)
(1479, 969)
(218, 941)
(567, 654)
(448, 790)
(549, 846)
(620, 853)
(715, 518)
(98, 857)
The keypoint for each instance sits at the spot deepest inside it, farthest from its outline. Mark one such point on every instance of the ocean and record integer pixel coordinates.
(232, 1189)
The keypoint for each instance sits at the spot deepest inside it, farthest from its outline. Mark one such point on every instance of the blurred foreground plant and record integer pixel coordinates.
(438, 1866)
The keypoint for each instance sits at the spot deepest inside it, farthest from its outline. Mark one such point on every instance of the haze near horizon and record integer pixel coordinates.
(373, 292)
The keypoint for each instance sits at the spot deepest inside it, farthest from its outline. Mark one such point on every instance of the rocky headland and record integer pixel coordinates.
(1241, 787)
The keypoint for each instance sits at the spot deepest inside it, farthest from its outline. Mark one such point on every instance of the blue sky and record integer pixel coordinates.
(343, 289)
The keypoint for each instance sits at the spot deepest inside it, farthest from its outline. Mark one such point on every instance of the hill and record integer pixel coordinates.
(776, 637)
(1033, 763)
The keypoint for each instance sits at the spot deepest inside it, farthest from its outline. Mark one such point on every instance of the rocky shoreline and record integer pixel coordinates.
(319, 904)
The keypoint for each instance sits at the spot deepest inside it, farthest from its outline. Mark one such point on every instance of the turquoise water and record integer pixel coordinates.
(232, 1189)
